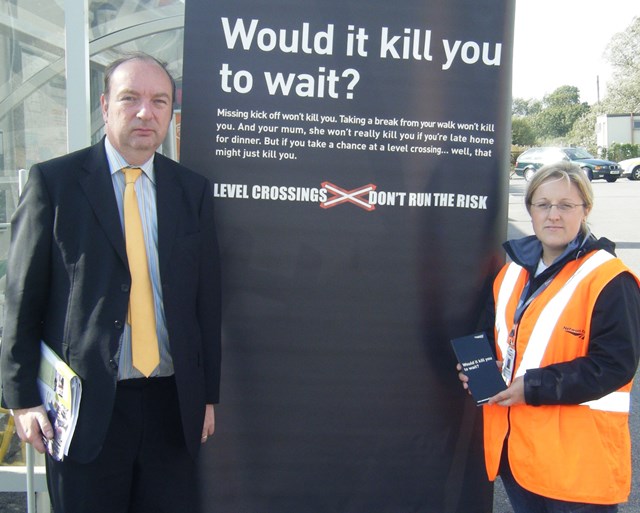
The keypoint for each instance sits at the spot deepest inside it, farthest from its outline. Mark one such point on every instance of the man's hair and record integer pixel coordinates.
(136, 56)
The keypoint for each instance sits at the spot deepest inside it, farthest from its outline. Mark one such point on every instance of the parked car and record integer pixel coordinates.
(631, 168)
(534, 158)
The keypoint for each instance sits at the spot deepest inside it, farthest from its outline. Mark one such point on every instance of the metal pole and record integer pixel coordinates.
(31, 494)
(76, 20)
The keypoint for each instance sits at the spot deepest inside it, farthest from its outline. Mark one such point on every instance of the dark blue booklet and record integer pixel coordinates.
(478, 363)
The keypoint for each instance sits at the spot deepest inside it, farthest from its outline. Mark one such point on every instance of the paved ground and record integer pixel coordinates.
(615, 216)
(13, 502)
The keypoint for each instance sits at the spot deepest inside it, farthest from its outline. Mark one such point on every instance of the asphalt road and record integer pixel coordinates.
(616, 215)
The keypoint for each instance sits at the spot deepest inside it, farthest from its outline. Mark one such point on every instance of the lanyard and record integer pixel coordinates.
(523, 305)
(510, 356)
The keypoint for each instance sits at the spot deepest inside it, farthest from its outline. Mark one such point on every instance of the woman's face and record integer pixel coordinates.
(557, 213)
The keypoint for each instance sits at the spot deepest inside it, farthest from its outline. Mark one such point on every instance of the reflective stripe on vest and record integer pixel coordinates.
(546, 323)
(615, 402)
(506, 289)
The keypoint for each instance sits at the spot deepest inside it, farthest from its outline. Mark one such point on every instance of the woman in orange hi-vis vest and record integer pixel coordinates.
(565, 318)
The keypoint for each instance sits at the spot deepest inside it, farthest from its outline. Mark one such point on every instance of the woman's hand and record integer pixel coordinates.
(463, 377)
(512, 395)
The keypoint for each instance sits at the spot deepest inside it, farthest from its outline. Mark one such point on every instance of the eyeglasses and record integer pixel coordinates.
(564, 207)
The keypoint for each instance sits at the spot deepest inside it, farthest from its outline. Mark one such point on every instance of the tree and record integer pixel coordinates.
(623, 52)
(561, 97)
(560, 110)
(583, 132)
(623, 96)
(522, 133)
(522, 108)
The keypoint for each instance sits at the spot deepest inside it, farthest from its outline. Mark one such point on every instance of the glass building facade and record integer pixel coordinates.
(33, 95)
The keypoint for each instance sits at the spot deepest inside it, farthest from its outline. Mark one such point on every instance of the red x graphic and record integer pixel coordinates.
(354, 196)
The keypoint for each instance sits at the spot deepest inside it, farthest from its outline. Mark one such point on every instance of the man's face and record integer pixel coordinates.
(138, 110)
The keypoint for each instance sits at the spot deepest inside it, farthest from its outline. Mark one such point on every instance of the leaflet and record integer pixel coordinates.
(478, 363)
(61, 390)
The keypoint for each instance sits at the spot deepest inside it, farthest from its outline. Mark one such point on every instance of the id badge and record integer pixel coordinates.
(507, 365)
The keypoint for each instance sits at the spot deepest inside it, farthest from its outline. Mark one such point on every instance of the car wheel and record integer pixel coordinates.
(610, 179)
(635, 173)
(528, 173)
(588, 172)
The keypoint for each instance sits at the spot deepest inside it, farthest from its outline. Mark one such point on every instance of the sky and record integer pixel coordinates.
(561, 42)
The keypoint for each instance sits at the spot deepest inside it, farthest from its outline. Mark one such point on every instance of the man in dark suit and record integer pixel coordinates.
(69, 282)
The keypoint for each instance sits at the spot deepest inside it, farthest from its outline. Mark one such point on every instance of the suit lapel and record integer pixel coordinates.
(168, 200)
(97, 185)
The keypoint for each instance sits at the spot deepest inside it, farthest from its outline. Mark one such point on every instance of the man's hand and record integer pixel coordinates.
(31, 425)
(209, 423)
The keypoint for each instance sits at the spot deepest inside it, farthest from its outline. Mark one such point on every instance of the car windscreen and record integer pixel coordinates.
(578, 153)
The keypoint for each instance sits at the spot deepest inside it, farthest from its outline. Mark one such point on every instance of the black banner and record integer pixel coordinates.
(359, 155)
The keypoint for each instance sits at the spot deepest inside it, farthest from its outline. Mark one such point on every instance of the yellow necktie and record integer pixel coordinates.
(142, 316)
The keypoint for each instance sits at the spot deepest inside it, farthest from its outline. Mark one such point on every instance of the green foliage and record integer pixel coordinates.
(563, 96)
(623, 52)
(548, 121)
(583, 132)
(522, 108)
(618, 152)
(561, 109)
(522, 132)
(623, 95)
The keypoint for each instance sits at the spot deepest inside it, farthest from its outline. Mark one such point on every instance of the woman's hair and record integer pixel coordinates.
(561, 171)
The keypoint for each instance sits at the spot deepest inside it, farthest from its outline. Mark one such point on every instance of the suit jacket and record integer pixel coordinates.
(68, 284)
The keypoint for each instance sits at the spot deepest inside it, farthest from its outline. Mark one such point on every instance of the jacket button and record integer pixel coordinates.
(118, 324)
(113, 364)
(125, 287)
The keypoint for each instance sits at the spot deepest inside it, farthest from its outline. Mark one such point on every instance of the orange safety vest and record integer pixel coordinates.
(577, 453)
